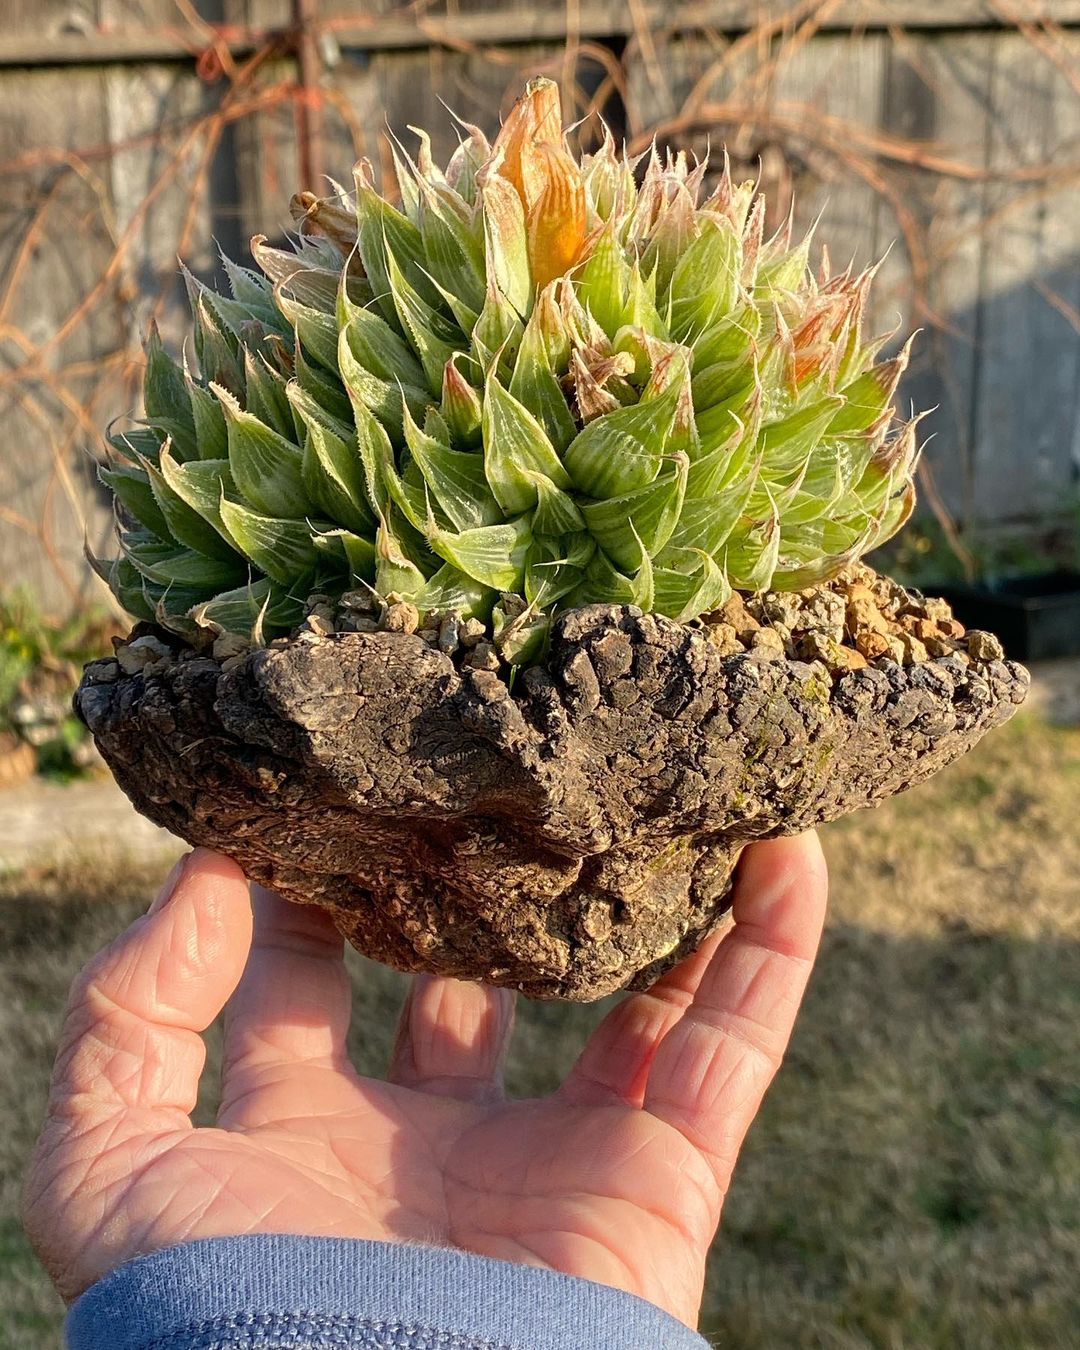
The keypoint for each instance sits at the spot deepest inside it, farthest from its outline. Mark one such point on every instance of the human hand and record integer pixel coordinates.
(618, 1176)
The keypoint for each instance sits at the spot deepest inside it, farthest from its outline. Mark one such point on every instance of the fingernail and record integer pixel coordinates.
(168, 885)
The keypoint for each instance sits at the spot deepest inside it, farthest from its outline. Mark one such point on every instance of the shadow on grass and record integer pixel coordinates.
(914, 1179)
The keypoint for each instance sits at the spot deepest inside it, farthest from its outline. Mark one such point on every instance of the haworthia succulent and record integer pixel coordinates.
(538, 376)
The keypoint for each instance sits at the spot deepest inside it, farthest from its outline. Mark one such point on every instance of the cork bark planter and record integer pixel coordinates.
(571, 837)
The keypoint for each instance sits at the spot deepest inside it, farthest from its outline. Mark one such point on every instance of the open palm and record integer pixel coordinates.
(617, 1177)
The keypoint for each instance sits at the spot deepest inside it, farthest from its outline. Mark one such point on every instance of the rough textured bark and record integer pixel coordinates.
(569, 838)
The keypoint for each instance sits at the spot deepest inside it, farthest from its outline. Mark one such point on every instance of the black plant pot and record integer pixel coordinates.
(1035, 617)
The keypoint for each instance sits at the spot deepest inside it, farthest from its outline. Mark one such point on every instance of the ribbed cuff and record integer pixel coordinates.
(279, 1292)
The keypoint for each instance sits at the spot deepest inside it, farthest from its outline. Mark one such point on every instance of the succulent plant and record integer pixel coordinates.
(542, 378)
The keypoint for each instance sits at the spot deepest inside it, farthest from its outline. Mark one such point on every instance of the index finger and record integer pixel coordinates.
(131, 1044)
(713, 1067)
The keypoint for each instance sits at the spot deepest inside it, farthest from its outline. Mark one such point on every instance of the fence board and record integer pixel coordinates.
(976, 361)
(152, 112)
(95, 23)
(938, 92)
(1003, 365)
(70, 32)
(1026, 417)
(45, 479)
(121, 129)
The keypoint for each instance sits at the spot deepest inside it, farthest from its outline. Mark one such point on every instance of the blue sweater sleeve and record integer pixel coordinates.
(274, 1292)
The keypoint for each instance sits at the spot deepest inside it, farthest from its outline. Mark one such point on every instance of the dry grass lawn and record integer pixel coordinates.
(914, 1180)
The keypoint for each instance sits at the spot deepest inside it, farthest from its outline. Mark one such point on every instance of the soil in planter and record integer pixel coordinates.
(858, 619)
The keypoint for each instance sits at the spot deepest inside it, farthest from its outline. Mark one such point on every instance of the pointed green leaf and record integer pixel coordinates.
(165, 395)
(381, 397)
(705, 283)
(382, 233)
(556, 511)
(435, 337)
(435, 426)
(896, 514)
(522, 640)
(603, 584)
(556, 566)
(451, 591)
(355, 554)
(514, 441)
(321, 386)
(497, 334)
(867, 398)
(603, 282)
(622, 450)
(461, 408)
(464, 315)
(731, 340)
(455, 478)
(132, 489)
(494, 555)
(211, 434)
(171, 565)
(126, 583)
(179, 491)
(723, 381)
(265, 396)
(465, 163)
(196, 485)
(249, 289)
(229, 316)
(216, 350)
(719, 468)
(377, 346)
(332, 468)
(395, 572)
(671, 235)
(334, 479)
(376, 457)
(645, 518)
(316, 332)
(644, 586)
(820, 551)
(683, 595)
(267, 469)
(407, 181)
(320, 289)
(455, 255)
(706, 523)
(140, 443)
(751, 554)
(782, 273)
(641, 312)
(786, 444)
(716, 425)
(283, 549)
(239, 610)
(534, 385)
(411, 496)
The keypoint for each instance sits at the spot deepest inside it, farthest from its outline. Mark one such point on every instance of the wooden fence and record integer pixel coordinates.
(132, 131)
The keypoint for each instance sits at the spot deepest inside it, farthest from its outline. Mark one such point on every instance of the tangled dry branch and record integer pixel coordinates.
(66, 381)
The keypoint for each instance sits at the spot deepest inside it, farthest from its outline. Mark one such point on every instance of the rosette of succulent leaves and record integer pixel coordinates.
(539, 382)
